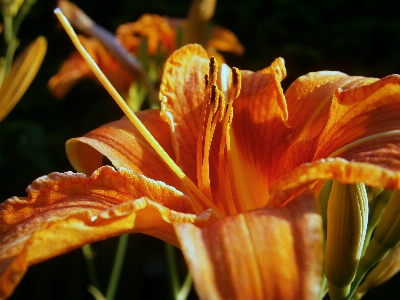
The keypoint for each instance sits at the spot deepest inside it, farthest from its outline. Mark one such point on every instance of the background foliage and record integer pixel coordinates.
(358, 38)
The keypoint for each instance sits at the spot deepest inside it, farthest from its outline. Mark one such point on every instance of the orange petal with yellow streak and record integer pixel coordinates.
(307, 175)
(259, 134)
(360, 112)
(125, 147)
(381, 150)
(309, 98)
(64, 211)
(262, 254)
(334, 115)
(182, 94)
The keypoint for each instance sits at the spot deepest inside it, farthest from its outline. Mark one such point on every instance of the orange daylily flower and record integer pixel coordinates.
(156, 29)
(163, 31)
(249, 228)
(159, 31)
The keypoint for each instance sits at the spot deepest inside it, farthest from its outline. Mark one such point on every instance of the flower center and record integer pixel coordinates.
(213, 143)
(201, 200)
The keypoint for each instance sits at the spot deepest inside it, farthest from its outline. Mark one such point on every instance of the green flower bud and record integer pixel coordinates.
(346, 229)
(387, 233)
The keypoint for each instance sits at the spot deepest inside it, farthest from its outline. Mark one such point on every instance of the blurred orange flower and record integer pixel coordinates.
(161, 34)
(75, 69)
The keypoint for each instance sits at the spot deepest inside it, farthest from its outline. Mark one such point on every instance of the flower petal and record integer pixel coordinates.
(182, 94)
(309, 98)
(380, 149)
(224, 40)
(66, 211)
(156, 29)
(360, 112)
(75, 69)
(262, 254)
(344, 171)
(309, 101)
(260, 137)
(126, 148)
(22, 73)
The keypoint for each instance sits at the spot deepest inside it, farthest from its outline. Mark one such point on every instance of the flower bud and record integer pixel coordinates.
(383, 271)
(387, 233)
(346, 229)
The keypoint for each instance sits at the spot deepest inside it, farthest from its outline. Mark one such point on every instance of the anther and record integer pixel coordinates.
(236, 82)
(214, 96)
(206, 78)
(213, 70)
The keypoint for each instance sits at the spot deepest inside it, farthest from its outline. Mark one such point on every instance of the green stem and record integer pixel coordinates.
(10, 41)
(185, 289)
(118, 262)
(178, 292)
(89, 258)
(11, 28)
(97, 295)
(23, 11)
(172, 269)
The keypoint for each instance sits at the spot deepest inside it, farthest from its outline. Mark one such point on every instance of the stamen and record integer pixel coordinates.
(231, 203)
(236, 82)
(223, 106)
(213, 70)
(205, 184)
(206, 78)
(217, 110)
(192, 188)
(214, 98)
(210, 117)
(227, 184)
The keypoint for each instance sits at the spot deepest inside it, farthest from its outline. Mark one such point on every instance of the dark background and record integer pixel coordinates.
(355, 37)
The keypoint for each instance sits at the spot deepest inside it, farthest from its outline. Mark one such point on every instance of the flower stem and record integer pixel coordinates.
(11, 28)
(89, 258)
(10, 40)
(178, 292)
(185, 288)
(118, 262)
(172, 270)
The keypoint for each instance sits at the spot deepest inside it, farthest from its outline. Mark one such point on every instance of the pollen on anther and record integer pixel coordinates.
(213, 70)
(206, 81)
(214, 97)
(236, 82)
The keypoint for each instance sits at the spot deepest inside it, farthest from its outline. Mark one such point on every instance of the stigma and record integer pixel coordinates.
(214, 171)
